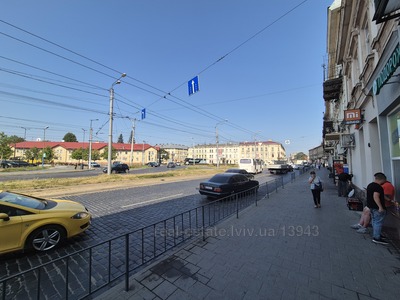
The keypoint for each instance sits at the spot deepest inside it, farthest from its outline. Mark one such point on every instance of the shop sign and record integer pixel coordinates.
(352, 116)
(388, 70)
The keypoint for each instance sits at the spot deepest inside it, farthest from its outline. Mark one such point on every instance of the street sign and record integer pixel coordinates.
(143, 113)
(193, 85)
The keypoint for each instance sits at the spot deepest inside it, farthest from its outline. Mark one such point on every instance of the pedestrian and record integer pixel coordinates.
(376, 204)
(315, 183)
(388, 191)
(344, 180)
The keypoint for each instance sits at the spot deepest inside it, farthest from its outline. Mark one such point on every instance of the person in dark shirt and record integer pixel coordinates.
(376, 203)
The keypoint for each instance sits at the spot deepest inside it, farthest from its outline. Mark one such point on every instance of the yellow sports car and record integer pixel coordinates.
(28, 222)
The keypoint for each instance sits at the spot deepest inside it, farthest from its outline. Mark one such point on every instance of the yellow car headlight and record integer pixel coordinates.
(81, 215)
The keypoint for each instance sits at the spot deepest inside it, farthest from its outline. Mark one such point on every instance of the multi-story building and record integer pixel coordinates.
(139, 155)
(362, 89)
(176, 153)
(231, 153)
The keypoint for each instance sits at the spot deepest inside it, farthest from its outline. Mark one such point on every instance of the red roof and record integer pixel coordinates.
(77, 145)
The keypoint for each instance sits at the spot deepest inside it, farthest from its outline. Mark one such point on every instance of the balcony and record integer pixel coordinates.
(332, 88)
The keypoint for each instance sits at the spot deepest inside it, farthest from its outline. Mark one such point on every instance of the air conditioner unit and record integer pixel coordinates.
(347, 140)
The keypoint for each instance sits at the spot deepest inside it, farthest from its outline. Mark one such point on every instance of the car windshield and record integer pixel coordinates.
(220, 178)
(22, 200)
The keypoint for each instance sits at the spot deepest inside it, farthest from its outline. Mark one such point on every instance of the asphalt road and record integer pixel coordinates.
(70, 172)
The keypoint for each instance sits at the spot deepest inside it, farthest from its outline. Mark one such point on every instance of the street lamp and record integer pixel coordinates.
(217, 140)
(90, 142)
(25, 129)
(44, 140)
(132, 139)
(84, 133)
(118, 81)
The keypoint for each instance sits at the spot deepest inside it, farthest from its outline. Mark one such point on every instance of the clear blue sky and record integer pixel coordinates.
(59, 59)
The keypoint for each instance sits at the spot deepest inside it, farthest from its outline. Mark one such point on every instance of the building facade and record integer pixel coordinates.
(140, 154)
(231, 153)
(362, 90)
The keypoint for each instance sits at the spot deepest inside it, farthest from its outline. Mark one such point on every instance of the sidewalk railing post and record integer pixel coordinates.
(203, 225)
(237, 206)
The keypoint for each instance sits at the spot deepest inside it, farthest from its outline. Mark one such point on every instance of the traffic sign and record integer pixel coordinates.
(143, 113)
(193, 85)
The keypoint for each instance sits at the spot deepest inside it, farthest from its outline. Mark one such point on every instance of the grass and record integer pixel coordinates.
(36, 184)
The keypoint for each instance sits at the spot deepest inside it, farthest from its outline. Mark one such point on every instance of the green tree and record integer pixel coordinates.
(32, 154)
(70, 137)
(5, 149)
(104, 155)
(96, 154)
(15, 139)
(49, 154)
(121, 139)
(163, 154)
(300, 156)
(77, 154)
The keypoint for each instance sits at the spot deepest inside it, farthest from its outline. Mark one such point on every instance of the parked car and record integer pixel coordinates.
(35, 223)
(118, 168)
(153, 164)
(94, 164)
(171, 165)
(225, 184)
(240, 171)
(7, 164)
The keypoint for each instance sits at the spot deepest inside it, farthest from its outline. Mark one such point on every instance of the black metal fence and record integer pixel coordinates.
(85, 272)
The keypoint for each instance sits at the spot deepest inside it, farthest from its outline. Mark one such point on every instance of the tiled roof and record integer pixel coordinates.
(77, 145)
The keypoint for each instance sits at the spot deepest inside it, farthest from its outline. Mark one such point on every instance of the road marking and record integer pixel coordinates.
(162, 198)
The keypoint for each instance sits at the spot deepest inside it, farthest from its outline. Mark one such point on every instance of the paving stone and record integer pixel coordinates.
(242, 265)
(165, 289)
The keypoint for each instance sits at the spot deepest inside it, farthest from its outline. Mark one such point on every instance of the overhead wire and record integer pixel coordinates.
(165, 96)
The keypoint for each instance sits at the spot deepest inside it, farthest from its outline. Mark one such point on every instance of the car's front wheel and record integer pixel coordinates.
(46, 238)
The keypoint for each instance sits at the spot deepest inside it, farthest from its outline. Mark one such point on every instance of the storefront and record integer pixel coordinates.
(386, 92)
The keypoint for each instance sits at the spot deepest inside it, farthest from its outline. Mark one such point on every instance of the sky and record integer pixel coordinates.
(258, 62)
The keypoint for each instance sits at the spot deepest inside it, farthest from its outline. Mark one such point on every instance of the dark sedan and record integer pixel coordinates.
(225, 184)
(118, 168)
(240, 171)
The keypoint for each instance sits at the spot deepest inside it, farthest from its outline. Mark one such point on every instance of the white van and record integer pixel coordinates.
(251, 165)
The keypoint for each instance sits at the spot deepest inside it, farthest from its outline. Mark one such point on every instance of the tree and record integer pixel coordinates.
(32, 154)
(164, 155)
(49, 154)
(70, 137)
(15, 139)
(104, 155)
(96, 154)
(77, 154)
(121, 139)
(300, 156)
(5, 149)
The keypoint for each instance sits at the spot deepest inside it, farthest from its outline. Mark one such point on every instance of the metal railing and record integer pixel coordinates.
(85, 272)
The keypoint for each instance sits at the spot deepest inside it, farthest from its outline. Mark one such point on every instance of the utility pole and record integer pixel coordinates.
(111, 124)
(133, 139)
(90, 142)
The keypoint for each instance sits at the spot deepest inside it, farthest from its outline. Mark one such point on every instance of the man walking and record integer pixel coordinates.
(376, 203)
